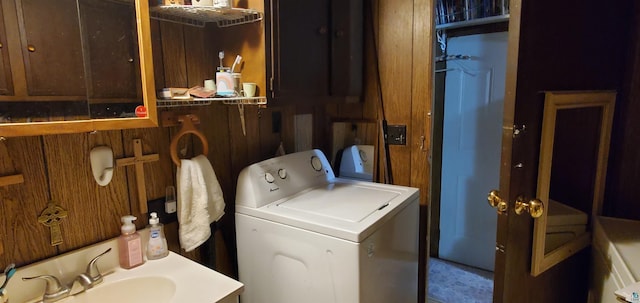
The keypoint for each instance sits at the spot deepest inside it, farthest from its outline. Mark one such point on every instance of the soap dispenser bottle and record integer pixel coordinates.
(129, 244)
(157, 245)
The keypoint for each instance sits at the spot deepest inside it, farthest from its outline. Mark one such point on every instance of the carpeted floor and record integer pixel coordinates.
(451, 282)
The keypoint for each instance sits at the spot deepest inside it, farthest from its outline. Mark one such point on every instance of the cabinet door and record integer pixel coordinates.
(346, 47)
(6, 85)
(51, 47)
(300, 47)
(111, 51)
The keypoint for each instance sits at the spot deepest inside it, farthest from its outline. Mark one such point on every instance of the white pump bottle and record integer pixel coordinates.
(157, 245)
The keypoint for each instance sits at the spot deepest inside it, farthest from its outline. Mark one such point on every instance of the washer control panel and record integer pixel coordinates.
(273, 179)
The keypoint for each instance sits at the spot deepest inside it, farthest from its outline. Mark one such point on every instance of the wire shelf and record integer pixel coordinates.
(200, 15)
(164, 103)
(473, 22)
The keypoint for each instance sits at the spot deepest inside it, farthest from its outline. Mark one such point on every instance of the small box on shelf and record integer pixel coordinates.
(175, 93)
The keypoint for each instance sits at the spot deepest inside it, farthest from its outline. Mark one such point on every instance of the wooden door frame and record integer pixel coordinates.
(502, 235)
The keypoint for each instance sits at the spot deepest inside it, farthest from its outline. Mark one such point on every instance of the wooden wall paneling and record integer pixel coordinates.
(371, 102)
(269, 140)
(252, 126)
(419, 139)
(24, 239)
(238, 143)
(288, 134)
(156, 46)
(329, 146)
(396, 50)
(624, 163)
(200, 61)
(350, 110)
(173, 54)
(321, 130)
(93, 211)
(370, 84)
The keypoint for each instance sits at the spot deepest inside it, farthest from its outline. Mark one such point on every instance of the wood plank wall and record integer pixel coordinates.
(623, 174)
(57, 167)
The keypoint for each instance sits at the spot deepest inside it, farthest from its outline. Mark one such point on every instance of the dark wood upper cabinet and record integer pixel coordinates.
(51, 47)
(71, 66)
(111, 50)
(6, 85)
(69, 50)
(314, 48)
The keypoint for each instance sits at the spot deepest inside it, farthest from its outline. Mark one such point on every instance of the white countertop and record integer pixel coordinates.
(194, 283)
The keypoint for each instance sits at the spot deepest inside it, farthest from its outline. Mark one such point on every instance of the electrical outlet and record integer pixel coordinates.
(397, 134)
(276, 122)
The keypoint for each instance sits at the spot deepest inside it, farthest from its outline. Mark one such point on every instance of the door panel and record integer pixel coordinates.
(551, 55)
(45, 36)
(474, 94)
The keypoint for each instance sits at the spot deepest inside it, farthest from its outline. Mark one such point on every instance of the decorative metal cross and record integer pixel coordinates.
(51, 217)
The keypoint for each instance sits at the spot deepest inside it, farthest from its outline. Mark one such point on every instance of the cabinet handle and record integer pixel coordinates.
(31, 48)
(322, 30)
(1, 45)
(339, 33)
(130, 60)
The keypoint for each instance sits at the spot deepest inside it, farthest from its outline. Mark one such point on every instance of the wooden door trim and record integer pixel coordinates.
(502, 235)
(420, 132)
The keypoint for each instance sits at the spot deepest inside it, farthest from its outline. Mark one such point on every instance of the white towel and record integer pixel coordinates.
(200, 201)
(215, 204)
(193, 217)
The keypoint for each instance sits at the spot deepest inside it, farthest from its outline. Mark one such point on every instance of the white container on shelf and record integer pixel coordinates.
(202, 2)
(222, 3)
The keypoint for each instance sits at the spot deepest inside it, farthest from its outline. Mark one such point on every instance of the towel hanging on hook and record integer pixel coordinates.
(187, 128)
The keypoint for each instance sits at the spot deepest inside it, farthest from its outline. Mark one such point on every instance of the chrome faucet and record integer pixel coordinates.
(55, 291)
(92, 276)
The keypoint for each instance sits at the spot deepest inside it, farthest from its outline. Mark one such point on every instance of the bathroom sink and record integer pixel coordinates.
(172, 279)
(144, 289)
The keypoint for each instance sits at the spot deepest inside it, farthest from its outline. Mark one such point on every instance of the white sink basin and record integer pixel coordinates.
(135, 290)
(173, 279)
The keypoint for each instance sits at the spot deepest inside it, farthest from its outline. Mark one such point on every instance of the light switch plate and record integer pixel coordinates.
(397, 134)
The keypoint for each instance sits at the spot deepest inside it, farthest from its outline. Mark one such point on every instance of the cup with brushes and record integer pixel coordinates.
(228, 83)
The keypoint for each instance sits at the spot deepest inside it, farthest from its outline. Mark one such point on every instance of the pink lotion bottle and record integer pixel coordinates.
(129, 244)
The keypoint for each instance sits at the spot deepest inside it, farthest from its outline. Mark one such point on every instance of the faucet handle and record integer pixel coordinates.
(54, 290)
(92, 268)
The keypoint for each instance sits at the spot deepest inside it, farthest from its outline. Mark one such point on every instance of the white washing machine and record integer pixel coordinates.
(304, 235)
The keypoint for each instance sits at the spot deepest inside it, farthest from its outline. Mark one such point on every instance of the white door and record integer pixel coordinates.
(474, 98)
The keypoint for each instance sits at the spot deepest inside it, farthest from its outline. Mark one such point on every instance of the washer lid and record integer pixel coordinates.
(350, 203)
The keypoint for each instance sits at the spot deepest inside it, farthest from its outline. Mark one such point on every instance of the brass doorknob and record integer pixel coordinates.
(496, 202)
(534, 207)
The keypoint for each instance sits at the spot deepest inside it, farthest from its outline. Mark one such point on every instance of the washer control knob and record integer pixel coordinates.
(269, 177)
(282, 173)
(316, 163)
